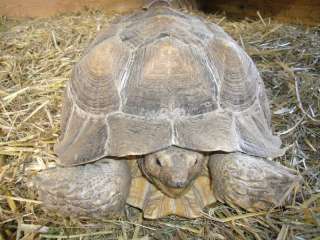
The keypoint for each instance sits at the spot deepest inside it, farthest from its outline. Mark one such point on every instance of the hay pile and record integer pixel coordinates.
(36, 57)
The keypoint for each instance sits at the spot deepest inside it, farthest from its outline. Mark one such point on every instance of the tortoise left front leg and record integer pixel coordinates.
(250, 182)
(96, 190)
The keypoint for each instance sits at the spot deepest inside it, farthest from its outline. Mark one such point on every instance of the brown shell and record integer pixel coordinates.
(159, 78)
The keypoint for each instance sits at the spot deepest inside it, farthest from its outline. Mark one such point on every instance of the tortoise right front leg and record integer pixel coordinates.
(95, 190)
(250, 182)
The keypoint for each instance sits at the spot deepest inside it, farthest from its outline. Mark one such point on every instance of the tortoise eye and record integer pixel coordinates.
(196, 161)
(158, 162)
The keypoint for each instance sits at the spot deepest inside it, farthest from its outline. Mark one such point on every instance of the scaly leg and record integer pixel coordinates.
(95, 189)
(250, 182)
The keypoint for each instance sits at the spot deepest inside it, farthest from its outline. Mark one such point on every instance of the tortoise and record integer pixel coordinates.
(167, 113)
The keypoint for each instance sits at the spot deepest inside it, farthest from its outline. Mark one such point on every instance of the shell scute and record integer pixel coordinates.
(167, 76)
(255, 135)
(213, 131)
(83, 135)
(238, 76)
(147, 136)
(96, 77)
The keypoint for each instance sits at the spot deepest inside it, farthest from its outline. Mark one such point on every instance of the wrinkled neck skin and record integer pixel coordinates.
(173, 170)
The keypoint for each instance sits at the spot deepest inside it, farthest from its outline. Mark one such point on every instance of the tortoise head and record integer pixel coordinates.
(173, 170)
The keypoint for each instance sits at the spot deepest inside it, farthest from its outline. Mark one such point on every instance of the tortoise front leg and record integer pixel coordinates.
(250, 182)
(95, 189)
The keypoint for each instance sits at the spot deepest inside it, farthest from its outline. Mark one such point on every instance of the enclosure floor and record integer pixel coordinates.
(36, 57)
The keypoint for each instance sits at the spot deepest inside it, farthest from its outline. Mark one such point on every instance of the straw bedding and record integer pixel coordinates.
(36, 57)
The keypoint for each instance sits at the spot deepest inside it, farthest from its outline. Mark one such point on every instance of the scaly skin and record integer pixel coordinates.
(92, 190)
(250, 182)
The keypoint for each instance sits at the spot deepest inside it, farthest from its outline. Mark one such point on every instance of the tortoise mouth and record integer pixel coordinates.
(173, 191)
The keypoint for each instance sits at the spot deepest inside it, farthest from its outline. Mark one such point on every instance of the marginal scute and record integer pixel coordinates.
(96, 77)
(263, 101)
(83, 135)
(130, 135)
(208, 132)
(169, 76)
(216, 30)
(67, 106)
(237, 73)
(254, 134)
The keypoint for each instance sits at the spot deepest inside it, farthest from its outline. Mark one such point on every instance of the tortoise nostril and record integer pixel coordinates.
(158, 162)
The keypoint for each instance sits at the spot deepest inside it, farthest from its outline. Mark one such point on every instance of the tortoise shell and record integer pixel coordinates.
(159, 78)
